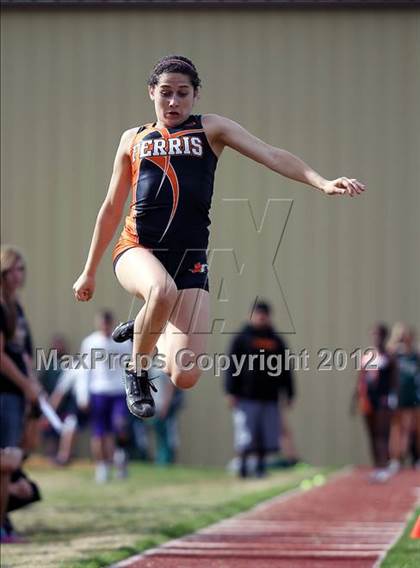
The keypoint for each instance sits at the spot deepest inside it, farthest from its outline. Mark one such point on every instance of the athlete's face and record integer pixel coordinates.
(174, 98)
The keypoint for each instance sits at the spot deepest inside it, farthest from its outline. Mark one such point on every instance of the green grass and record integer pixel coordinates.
(406, 551)
(83, 525)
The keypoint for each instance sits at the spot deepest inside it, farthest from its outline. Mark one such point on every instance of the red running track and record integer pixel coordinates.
(347, 523)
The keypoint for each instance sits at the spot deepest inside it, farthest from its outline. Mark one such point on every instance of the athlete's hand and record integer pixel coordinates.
(84, 287)
(344, 186)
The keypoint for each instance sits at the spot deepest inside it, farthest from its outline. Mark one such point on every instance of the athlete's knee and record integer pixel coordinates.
(185, 379)
(162, 297)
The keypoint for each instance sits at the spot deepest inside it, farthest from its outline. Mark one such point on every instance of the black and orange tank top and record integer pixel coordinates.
(172, 186)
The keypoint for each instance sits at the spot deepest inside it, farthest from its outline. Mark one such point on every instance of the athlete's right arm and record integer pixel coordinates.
(108, 218)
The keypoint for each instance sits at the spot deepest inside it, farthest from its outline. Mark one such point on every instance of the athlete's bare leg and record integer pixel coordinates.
(186, 337)
(143, 275)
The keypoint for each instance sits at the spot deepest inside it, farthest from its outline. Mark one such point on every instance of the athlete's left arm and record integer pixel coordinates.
(225, 132)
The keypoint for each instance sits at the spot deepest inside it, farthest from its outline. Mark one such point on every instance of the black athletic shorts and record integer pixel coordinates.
(189, 269)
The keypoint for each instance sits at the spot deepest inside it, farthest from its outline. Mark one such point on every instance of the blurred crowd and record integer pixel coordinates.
(388, 397)
(91, 394)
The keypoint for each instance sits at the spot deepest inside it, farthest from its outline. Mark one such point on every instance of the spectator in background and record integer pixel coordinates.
(253, 394)
(48, 379)
(168, 402)
(108, 410)
(49, 376)
(376, 392)
(18, 383)
(70, 399)
(406, 419)
(139, 439)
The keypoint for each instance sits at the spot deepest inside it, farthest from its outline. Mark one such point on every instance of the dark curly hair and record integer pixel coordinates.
(174, 64)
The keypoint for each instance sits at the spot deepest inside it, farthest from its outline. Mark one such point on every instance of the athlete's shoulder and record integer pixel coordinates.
(128, 136)
(130, 132)
(126, 140)
(217, 129)
(213, 121)
(217, 125)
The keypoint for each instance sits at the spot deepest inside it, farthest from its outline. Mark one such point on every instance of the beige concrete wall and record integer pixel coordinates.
(339, 88)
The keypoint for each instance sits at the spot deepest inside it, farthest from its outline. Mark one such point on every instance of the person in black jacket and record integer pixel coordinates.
(257, 374)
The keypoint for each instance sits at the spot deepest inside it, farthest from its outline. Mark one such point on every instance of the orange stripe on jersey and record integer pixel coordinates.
(122, 245)
(128, 238)
(169, 172)
(136, 161)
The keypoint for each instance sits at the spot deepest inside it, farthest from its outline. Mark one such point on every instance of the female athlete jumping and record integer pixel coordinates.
(160, 256)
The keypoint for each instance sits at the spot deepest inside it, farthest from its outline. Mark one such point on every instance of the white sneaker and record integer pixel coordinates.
(120, 463)
(380, 475)
(101, 472)
(394, 467)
